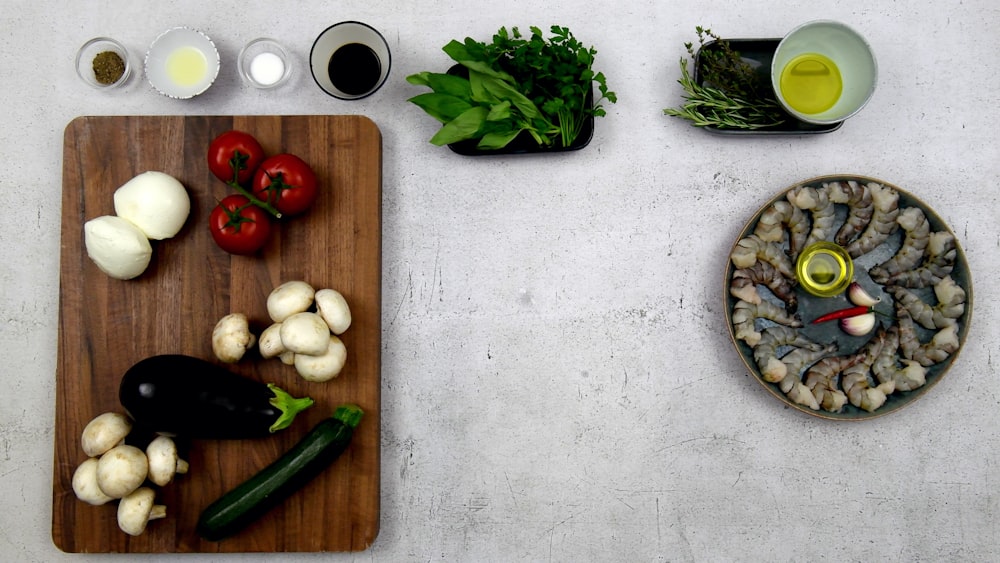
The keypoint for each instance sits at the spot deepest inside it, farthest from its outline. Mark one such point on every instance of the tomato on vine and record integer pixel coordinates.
(287, 182)
(235, 154)
(238, 226)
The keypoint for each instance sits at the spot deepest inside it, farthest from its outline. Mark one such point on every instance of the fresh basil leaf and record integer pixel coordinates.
(442, 107)
(463, 127)
(494, 141)
(499, 111)
(506, 91)
(419, 79)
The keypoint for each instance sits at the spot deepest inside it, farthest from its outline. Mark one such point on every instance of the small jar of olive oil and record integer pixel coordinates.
(824, 269)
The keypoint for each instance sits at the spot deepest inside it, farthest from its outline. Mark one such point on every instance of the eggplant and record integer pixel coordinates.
(192, 398)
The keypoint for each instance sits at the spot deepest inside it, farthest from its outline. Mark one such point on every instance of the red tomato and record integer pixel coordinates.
(234, 147)
(286, 182)
(238, 226)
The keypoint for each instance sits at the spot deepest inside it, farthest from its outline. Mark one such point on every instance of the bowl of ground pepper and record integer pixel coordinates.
(103, 63)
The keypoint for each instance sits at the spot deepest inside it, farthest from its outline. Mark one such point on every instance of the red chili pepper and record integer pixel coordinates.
(844, 313)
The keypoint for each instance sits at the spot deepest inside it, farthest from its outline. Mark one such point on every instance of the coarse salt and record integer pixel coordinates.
(267, 68)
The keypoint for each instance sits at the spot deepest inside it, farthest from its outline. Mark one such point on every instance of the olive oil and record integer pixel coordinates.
(187, 66)
(824, 269)
(811, 83)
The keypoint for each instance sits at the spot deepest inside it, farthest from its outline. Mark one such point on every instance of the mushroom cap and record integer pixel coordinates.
(121, 470)
(305, 333)
(324, 367)
(85, 484)
(231, 338)
(164, 461)
(270, 342)
(104, 432)
(332, 306)
(136, 510)
(289, 298)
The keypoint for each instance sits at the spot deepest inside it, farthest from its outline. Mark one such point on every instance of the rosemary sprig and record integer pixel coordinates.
(728, 97)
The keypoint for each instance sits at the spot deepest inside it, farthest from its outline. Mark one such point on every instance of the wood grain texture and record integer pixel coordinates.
(106, 325)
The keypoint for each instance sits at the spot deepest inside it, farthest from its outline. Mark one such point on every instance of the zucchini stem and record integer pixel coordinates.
(288, 405)
(348, 414)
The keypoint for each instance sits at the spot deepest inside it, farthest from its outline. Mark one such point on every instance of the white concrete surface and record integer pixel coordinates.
(558, 381)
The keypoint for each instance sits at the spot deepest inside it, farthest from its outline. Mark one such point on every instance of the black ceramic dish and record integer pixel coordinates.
(525, 143)
(758, 53)
(810, 307)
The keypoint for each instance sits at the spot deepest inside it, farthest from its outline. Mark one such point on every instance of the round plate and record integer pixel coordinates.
(810, 307)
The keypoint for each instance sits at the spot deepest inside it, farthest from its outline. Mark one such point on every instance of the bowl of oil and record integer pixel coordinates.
(182, 63)
(823, 72)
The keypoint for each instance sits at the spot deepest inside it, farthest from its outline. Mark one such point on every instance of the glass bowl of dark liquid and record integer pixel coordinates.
(350, 60)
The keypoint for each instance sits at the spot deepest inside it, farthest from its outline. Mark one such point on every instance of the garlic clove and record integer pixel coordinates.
(859, 296)
(858, 325)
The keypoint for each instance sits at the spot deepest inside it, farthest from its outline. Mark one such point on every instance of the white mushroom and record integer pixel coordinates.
(270, 342)
(324, 367)
(231, 338)
(305, 333)
(289, 298)
(164, 462)
(121, 470)
(104, 432)
(137, 509)
(331, 305)
(287, 357)
(85, 484)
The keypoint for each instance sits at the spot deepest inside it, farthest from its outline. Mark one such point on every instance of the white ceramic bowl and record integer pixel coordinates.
(264, 63)
(182, 63)
(847, 49)
(333, 39)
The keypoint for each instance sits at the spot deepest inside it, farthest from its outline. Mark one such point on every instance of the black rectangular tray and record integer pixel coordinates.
(759, 53)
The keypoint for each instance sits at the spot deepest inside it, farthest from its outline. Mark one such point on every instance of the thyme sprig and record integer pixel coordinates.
(728, 97)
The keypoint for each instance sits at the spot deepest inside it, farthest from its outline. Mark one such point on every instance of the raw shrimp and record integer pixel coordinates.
(745, 280)
(823, 211)
(912, 375)
(941, 346)
(939, 262)
(950, 304)
(911, 252)
(752, 249)
(772, 369)
(820, 379)
(886, 208)
(780, 215)
(745, 315)
(855, 383)
(858, 199)
(795, 361)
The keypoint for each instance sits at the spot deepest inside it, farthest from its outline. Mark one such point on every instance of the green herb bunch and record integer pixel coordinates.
(728, 96)
(515, 84)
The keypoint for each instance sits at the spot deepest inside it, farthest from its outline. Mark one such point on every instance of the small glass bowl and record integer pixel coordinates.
(85, 62)
(182, 63)
(264, 63)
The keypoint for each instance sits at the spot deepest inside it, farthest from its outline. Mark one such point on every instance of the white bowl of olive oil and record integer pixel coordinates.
(823, 72)
(182, 63)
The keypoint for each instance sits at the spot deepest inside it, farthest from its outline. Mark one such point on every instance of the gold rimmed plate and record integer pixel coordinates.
(810, 307)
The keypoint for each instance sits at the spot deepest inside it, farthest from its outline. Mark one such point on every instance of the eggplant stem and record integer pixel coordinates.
(288, 405)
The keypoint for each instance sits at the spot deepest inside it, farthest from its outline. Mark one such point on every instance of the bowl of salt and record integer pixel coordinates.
(264, 63)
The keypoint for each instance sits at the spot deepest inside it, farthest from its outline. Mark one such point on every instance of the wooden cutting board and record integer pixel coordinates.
(107, 325)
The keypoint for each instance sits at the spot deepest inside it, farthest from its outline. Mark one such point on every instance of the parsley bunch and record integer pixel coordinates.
(515, 84)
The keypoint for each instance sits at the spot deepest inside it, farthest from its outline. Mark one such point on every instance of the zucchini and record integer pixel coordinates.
(250, 500)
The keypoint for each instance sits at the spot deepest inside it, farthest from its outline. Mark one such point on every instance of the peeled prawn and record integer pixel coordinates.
(909, 377)
(752, 249)
(938, 263)
(780, 215)
(855, 383)
(885, 210)
(795, 361)
(771, 367)
(858, 199)
(745, 281)
(823, 211)
(745, 315)
(911, 252)
(820, 380)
